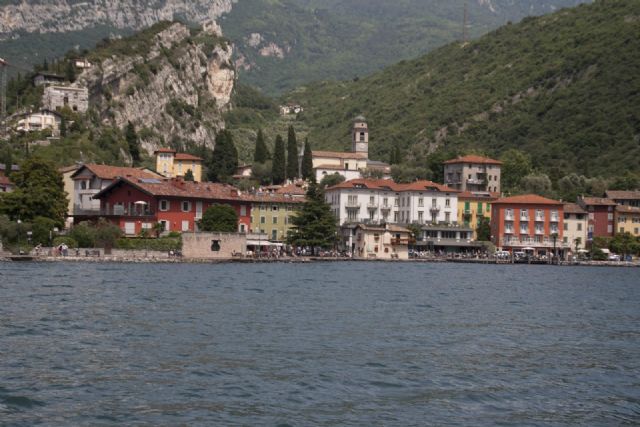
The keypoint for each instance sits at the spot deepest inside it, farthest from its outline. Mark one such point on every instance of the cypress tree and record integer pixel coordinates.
(261, 154)
(188, 176)
(292, 154)
(224, 160)
(278, 168)
(132, 140)
(63, 127)
(307, 161)
(70, 72)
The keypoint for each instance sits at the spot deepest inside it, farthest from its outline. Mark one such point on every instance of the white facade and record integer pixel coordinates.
(382, 202)
(39, 121)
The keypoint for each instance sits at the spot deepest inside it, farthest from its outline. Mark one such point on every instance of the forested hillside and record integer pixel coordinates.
(562, 88)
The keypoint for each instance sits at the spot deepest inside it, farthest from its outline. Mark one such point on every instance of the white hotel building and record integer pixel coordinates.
(383, 201)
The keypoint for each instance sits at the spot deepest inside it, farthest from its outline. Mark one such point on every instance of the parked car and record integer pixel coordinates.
(614, 257)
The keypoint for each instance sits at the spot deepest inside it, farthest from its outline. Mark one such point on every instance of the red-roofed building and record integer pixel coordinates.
(138, 203)
(171, 164)
(384, 201)
(528, 223)
(601, 216)
(89, 179)
(473, 173)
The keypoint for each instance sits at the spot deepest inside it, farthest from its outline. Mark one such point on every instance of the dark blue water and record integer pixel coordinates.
(318, 345)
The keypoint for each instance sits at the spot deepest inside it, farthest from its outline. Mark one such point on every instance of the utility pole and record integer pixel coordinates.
(3, 96)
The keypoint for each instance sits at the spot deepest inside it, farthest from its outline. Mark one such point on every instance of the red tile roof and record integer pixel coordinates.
(164, 150)
(526, 199)
(112, 172)
(472, 158)
(339, 155)
(389, 185)
(178, 188)
(628, 209)
(186, 156)
(573, 208)
(291, 189)
(478, 195)
(596, 201)
(623, 195)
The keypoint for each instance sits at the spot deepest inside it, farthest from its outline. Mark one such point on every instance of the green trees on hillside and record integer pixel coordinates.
(292, 154)
(39, 192)
(224, 161)
(278, 168)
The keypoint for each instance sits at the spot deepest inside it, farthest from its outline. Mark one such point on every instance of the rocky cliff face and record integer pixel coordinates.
(59, 16)
(174, 93)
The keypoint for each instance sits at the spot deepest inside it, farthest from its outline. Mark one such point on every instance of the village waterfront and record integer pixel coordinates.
(318, 344)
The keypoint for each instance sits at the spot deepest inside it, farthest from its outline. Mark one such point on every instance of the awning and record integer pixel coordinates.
(263, 243)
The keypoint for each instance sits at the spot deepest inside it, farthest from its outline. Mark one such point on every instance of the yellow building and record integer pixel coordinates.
(271, 214)
(628, 220)
(472, 206)
(172, 164)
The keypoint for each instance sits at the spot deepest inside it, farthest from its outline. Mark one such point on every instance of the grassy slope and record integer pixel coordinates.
(583, 114)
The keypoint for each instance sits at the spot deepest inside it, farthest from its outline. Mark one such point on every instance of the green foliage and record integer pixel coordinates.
(164, 244)
(42, 229)
(314, 225)
(625, 244)
(261, 153)
(626, 181)
(292, 154)
(515, 166)
(70, 72)
(278, 168)
(536, 184)
(307, 162)
(331, 180)
(220, 218)
(69, 241)
(261, 172)
(85, 234)
(561, 89)
(483, 230)
(188, 176)
(404, 173)
(224, 161)
(137, 44)
(39, 192)
(106, 234)
(133, 143)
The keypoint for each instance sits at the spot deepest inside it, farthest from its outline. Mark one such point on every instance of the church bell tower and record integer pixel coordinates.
(360, 136)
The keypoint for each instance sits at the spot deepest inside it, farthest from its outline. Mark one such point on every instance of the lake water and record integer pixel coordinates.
(326, 344)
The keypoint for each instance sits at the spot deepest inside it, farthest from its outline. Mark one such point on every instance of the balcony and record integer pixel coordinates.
(467, 213)
(385, 207)
(524, 218)
(532, 242)
(539, 231)
(402, 241)
(353, 204)
(539, 217)
(508, 216)
(554, 218)
(372, 206)
(475, 181)
(136, 212)
(434, 210)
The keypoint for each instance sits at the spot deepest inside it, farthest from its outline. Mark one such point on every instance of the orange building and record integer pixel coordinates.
(529, 223)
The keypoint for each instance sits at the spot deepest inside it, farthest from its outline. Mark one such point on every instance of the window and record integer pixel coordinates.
(371, 200)
(274, 234)
(420, 216)
(420, 202)
(164, 205)
(447, 203)
(186, 206)
(274, 208)
(275, 219)
(242, 228)
(622, 229)
(610, 217)
(185, 225)
(346, 166)
(395, 202)
(215, 245)
(579, 228)
(385, 201)
(263, 220)
(243, 210)
(447, 217)
(395, 217)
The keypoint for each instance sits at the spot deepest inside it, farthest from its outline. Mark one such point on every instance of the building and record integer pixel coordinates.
(600, 213)
(380, 242)
(445, 238)
(575, 226)
(290, 109)
(171, 164)
(349, 164)
(47, 78)
(136, 204)
(384, 201)
(529, 223)
(69, 188)
(243, 172)
(473, 207)
(213, 245)
(90, 179)
(627, 219)
(626, 198)
(58, 97)
(473, 173)
(41, 120)
(271, 214)
(82, 63)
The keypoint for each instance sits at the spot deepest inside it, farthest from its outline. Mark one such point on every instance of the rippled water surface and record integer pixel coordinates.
(332, 344)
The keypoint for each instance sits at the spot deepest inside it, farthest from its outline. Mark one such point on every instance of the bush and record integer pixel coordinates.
(72, 243)
(84, 234)
(160, 244)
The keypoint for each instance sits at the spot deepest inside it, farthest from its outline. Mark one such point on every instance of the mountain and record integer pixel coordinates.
(280, 44)
(563, 88)
(171, 82)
